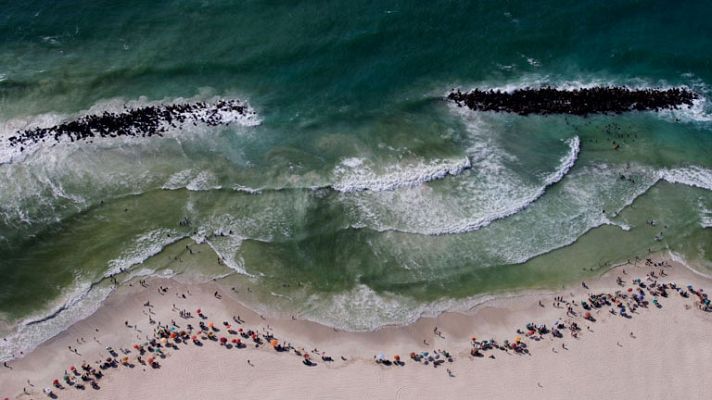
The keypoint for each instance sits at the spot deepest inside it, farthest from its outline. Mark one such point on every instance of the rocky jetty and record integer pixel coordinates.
(583, 101)
(138, 122)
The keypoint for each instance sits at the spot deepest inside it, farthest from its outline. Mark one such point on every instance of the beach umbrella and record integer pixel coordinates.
(164, 341)
(517, 339)
(136, 346)
(72, 368)
(396, 357)
(630, 289)
(234, 341)
(55, 382)
(587, 315)
(197, 311)
(223, 339)
(239, 330)
(174, 335)
(274, 342)
(193, 338)
(474, 339)
(306, 356)
(210, 325)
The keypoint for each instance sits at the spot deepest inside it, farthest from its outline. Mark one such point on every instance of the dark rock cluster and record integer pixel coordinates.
(139, 122)
(583, 101)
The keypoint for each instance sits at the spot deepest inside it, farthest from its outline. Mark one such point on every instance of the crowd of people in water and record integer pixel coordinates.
(196, 329)
(583, 101)
(138, 122)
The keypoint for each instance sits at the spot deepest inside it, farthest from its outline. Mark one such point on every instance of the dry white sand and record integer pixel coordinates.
(668, 356)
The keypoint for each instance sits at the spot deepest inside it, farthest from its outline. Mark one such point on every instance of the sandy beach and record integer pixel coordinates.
(611, 356)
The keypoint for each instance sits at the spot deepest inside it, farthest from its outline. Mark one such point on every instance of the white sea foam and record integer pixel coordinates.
(363, 309)
(705, 217)
(205, 180)
(691, 176)
(179, 180)
(225, 244)
(489, 193)
(142, 248)
(355, 174)
(81, 302)
(565, 164)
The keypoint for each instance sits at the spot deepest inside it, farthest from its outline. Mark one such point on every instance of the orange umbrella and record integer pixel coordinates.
(210, 325)
(274, 342)
(164, 340)
(396, 357)
(517, 339)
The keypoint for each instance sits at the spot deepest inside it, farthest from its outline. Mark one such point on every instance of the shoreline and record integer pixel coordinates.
(465, 305)
(451, 331)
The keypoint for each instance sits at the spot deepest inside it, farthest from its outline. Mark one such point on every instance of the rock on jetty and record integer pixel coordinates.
(583, 101)
(138, 122)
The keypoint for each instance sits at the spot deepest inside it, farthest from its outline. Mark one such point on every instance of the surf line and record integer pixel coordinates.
(581, 102)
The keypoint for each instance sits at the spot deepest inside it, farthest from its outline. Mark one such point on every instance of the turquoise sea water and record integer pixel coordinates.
(357, 197)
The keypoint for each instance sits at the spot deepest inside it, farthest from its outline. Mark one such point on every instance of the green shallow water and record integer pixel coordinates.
(362, 198)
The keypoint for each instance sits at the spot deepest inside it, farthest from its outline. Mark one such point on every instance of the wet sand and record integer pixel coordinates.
(666, 356)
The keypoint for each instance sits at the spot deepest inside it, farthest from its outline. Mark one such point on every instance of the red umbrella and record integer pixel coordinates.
(55, 382)
(197, 311)
(193, 338)
(587, 315)
(306, 356)
(630, 289)
(71, 368)
(223, 340)
(234, 341)
(135, 346)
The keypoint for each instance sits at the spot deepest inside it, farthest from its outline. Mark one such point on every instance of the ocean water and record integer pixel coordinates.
(357, 196)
